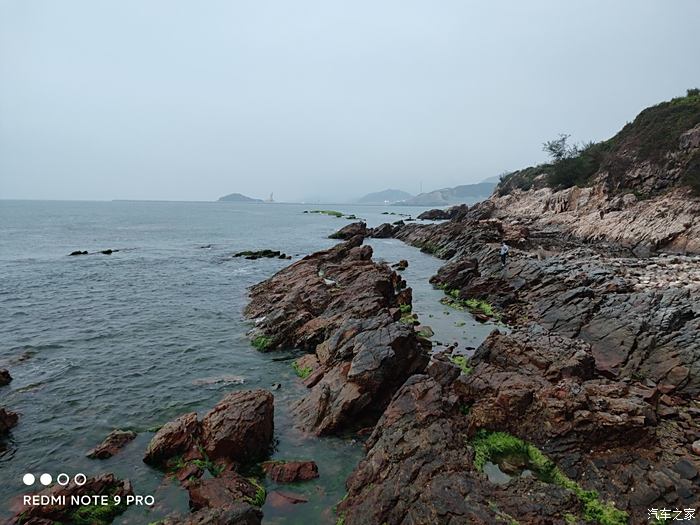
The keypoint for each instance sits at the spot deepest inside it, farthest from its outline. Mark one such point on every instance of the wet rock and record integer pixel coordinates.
(232, 514)
(695, 447)
(364, 352)
(8, 419)
(384, 231)
(5, 377)
(280, 499)
(173, 439)
(104, 485)
(290, 471)
(108, 252)
(401, 265)
(350, 231)
(113, 443)
(434, 215)
(240, 427)
(262, 254)
(220, 492)
(78, 252)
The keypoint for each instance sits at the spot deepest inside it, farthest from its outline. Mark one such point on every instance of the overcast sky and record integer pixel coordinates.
(190, 100)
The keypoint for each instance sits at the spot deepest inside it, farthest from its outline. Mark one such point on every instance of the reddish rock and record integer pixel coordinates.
(174, 438)
(290, 471)
(365, 354)
(233, 514)
(240, 427)
(113, 443)
(350, 231)
(280, 500)
(8, 419)
(5, 377)
(220, 492)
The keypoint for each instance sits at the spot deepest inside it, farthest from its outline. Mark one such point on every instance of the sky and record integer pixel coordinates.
(318, 100)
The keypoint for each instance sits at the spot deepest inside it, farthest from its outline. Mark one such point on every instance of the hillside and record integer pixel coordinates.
(640, 189)
(385, 197)
(466, 193)
(654, 153)
(237, 197)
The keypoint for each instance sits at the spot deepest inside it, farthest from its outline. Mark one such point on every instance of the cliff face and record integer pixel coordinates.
(639, 189)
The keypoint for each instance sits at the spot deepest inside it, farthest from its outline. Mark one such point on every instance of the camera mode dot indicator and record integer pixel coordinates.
(45, 479)
(28, 479)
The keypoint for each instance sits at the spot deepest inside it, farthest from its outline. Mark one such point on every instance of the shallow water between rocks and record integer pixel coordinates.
(133, 339)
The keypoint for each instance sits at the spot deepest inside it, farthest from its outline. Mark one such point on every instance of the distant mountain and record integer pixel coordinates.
(237, 197)
(495, 178)
(385, 197)
(466, 193)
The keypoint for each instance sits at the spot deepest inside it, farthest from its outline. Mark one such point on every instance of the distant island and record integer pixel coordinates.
(466, 193)
(238, 197)
(385, 197)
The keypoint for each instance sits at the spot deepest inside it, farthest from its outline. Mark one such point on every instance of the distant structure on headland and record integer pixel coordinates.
(270, 199)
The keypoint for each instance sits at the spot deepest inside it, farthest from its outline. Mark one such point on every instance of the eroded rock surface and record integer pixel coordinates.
(8, 419)
(346, 309)
(113, 443)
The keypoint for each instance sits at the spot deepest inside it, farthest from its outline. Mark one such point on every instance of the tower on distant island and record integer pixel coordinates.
(270, 199)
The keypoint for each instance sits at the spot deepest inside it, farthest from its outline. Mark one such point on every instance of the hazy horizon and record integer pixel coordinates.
(317, 101)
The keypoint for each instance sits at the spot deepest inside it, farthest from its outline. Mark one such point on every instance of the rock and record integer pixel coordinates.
(113, 443)
(383, 231)
(434, 215)
(78, 252)
(5, 377)
(686, 468)
(695, 447)
(364, 352)
(220, 492)
(290, 471)
(350, 231)
(240, 427)
(108, 252)
(401, 265)
(173, 439)
(8, 419)
(280, 500)
(260, 254)
(232, 514)
(106, 485)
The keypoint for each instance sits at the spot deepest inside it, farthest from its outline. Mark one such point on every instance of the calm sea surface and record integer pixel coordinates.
(133, 339)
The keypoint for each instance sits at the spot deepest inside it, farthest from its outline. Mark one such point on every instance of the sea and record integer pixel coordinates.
(133, 339)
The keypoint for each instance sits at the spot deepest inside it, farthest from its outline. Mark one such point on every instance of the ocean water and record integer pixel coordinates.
(133, 339)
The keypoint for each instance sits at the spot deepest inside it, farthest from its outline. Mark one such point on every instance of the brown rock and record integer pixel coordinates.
(220, 492)
(280, 500)
(290, 471)
(8, 419)
(173, 439)
(240, 427)
(5, 377)
(233, 514)
(113, 443)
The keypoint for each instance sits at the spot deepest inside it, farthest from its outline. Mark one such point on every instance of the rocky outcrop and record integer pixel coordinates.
(236, 433)
(113, 443)
(239, 428)
(262, 254)
(5, 377)
(345, 308)
(105, 485)
(290, 471)
(8, 419)
(350, 231)
(434, 215)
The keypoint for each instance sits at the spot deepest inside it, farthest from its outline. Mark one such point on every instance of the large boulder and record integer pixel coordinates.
(290, 471)
(5, 377)
(346, 309)
(220, 492)
(175, 438)
(240, 427)
(350, 231)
